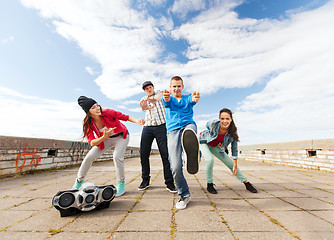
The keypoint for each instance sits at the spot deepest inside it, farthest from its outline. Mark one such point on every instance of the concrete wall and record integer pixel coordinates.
(19, 155)
(313, 154)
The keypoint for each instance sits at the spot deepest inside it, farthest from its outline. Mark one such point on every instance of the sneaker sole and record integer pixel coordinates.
(142, 189)
(171, 191)
(75, 186)
(120, 194)
(253, 191)
(190, 145)
(181, 208)
(212, 192)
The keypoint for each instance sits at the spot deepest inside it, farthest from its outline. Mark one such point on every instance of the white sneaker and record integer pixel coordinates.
(182, 203)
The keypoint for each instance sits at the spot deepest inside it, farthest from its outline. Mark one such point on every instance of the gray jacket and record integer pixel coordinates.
(211, 133)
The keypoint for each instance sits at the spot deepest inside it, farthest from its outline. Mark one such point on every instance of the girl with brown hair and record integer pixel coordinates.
(103, 130)
(214, 141)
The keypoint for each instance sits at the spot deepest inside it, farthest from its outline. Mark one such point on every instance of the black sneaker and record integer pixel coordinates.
(144, 184)
(250, 187)
(190, 145)
(171, 187)
(211, 188)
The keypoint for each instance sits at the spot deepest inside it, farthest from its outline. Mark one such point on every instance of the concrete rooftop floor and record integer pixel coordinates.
(292, 203)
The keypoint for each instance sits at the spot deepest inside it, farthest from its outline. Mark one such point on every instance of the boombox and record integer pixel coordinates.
(86, 198)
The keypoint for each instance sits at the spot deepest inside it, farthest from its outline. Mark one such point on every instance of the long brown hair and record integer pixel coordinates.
(86, 123)
(232, 129)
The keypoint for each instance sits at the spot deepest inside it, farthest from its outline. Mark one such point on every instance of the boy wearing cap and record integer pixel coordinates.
(181, 135)
(154, 128)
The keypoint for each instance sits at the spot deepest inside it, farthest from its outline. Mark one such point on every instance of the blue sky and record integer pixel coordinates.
(270, 62)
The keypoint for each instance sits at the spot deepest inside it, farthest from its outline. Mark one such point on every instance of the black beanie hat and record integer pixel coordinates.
(86, 103)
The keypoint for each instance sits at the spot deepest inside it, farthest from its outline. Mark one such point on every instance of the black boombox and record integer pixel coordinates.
(86, 198)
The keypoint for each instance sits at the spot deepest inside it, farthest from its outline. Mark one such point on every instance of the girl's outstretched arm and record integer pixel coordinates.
(135, 120)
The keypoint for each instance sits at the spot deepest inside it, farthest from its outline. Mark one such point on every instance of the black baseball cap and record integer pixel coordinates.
(146, 84)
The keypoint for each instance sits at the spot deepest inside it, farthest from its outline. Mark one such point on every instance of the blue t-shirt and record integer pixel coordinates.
(179, 113)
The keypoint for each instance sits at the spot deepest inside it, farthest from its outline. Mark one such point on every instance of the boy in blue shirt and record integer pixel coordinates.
(181, 133)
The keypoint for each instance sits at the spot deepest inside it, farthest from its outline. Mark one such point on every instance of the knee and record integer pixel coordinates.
(88, 159)
(118, 157)
(163, 149)
(176, 168)
(144, 152)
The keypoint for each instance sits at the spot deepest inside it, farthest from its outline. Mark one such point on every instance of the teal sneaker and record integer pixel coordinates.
(78, 184)
(120, 189)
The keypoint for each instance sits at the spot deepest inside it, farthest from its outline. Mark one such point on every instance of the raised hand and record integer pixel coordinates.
(152, 100)
(144, 104)
(107, 133)
(166, 95)
(195, 96)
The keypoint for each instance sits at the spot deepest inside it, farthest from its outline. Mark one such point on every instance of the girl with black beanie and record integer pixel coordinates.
(103, 130)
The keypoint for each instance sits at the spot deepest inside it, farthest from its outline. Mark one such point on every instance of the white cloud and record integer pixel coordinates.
(123, 40)
(297, 52)
(183, 7)
(7, 40)
(236, 52)
(226, 51)
(30, 116)
(138, 109)
(297, 103)
(212, 115)
(90, 70)
(13, 93)
(131, 102)
(121, 107)
(155, 3)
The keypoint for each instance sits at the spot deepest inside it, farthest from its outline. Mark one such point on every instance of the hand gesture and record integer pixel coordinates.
(195, 96)
(107, 133)
(152, 100)
(141, 121)
(235, 170)
(144, 104)
(166, 95)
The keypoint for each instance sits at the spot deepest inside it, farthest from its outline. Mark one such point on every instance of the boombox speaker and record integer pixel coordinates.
(86, 198)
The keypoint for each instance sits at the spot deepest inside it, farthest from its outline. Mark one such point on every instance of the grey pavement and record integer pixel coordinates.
(292, 203)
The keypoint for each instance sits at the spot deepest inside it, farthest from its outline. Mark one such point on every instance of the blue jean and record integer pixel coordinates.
(175, 157)
(159, 133)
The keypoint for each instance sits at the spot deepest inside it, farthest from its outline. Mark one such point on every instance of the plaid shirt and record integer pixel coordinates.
(157, 115)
